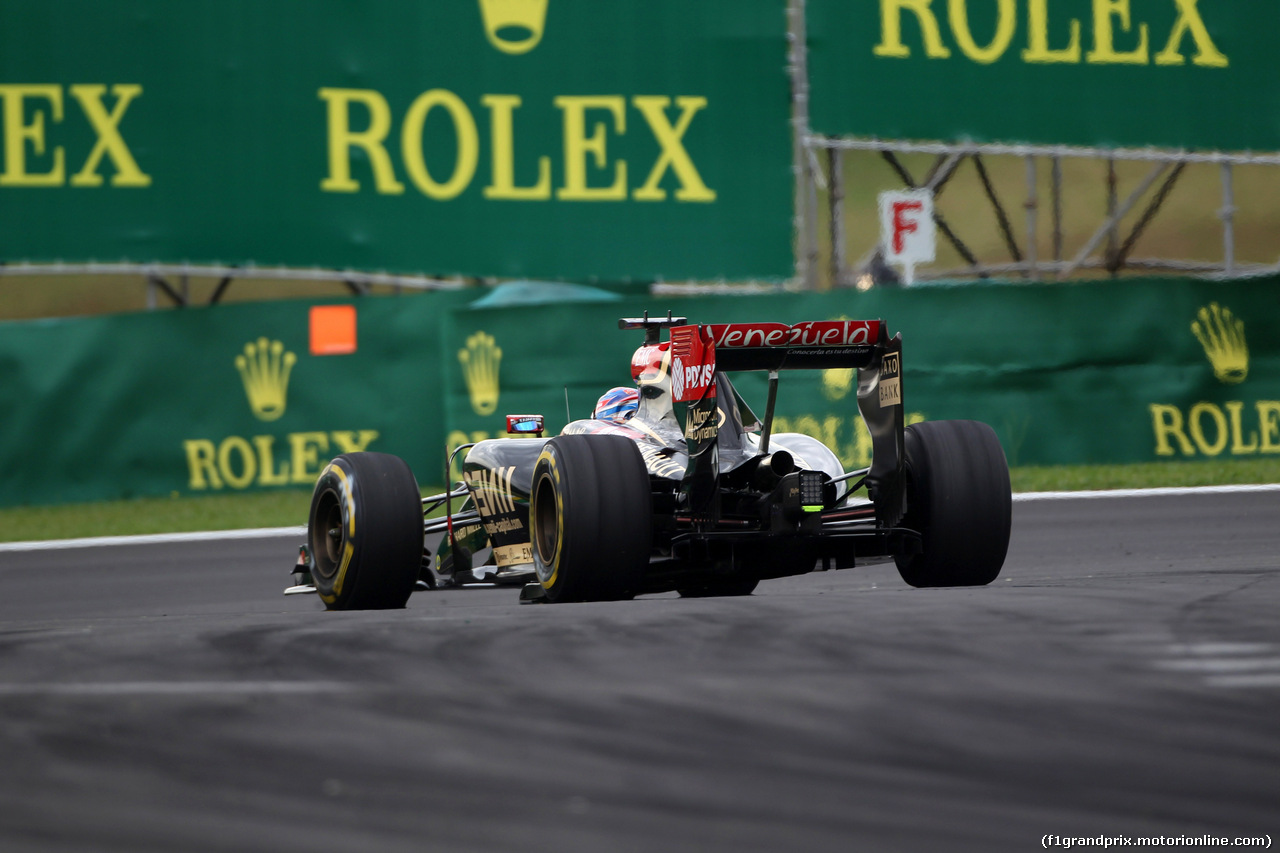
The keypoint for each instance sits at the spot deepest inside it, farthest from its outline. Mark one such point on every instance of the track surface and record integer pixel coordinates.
(1122, 677)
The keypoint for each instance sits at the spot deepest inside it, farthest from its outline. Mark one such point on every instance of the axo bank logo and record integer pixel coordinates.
(1233, 428)
(239, 462)
(514, 26)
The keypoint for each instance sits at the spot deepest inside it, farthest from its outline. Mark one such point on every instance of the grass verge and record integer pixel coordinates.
(289, 508)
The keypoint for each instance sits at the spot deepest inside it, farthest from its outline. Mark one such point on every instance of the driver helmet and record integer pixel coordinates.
(617, 405)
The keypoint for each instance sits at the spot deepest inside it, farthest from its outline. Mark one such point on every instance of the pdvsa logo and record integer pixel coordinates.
(1233, 428)
(689, 379)
(514, 26)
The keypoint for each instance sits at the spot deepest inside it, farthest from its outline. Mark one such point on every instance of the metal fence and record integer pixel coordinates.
(1037, 248)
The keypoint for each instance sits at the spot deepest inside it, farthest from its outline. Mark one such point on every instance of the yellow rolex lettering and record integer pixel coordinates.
(1038, 50)
(674, 156)
(1238, 446)
(202, 465)
(1104, 51)
(853, 448)
(354, 442)
(110, 143)
(18, 134)
(1269, 425)
(1189, 21)
(268, 473)
(248, 464)
(891, 12)
(578, 145)
(1006, 24)
(238, 463)
(342, 140)
(456, 438)
(464, 126)
(306, 448)
(1195, 425)
(502, 138)
(1166, 421)
(862, 451)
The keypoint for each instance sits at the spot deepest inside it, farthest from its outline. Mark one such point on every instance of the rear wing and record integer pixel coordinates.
(699, 352)
(816, 345)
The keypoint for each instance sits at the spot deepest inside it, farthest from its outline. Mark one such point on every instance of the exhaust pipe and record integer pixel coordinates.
(772, 468)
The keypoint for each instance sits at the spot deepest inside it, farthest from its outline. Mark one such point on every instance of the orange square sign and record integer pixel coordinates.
(333, 329)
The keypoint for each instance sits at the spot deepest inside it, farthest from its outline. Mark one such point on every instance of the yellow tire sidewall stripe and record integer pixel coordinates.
(349, 509)
(554, 471)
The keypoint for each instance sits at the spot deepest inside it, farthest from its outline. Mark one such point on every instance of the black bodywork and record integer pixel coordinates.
(729, 501)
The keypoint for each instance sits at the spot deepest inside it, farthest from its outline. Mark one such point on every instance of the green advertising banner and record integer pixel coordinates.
(217, 400)
(1080, 373)
(259, 396)
(570, 139)
(1196, 74)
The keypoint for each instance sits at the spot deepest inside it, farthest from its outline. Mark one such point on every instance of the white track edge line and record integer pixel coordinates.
(154, 539)
(1147, 493)
(269, 532)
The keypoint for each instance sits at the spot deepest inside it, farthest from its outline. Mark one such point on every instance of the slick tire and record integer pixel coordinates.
(590, 518)
(365, 532)
(959, 500)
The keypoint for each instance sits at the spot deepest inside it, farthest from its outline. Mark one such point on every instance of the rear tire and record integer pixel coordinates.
(365, 532)
(958, 499)
(590, 518)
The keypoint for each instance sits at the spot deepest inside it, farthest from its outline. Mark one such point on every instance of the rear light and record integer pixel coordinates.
(525, 425)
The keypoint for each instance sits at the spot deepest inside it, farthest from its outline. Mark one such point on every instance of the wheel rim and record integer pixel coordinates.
(327, 538)
(546, 533)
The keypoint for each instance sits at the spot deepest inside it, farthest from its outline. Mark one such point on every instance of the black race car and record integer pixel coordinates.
(691, 491)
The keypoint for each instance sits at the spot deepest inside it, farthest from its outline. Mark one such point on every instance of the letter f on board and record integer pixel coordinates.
(901, 224)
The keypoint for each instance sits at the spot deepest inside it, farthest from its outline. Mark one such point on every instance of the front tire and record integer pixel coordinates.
(365, 532)
(959, 500)
(590, 518)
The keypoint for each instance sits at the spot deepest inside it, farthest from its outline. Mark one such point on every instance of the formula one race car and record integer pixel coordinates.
(620, 506)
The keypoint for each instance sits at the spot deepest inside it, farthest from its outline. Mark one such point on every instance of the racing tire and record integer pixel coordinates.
(590, 518)
(365, 532)
(959, 500)
(720, 588)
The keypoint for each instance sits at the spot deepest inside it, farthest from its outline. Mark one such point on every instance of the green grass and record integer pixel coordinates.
(155, 515)
(1146, 475)
(289, 508)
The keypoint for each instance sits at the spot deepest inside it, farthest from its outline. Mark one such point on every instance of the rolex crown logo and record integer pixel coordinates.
(836, 382)
(514, 26)
(264, 368)
(1222, 337)
(480, 360)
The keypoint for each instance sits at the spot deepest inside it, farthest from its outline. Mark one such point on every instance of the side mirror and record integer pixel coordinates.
(525, 425)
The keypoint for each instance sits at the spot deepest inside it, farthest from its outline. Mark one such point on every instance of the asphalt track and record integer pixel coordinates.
(1121, 678)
